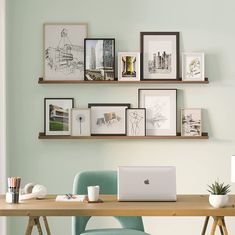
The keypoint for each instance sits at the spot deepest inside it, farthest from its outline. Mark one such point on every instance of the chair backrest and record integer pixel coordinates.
(107, 180)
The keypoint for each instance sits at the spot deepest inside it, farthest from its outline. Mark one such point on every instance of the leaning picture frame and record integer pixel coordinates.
(108, 118)
(160, 107)
(136, 121)
(191, 122)
(57, 116)
(99, 59)
(128, 66)
(64, 51)
(193, 66)
(159, 55)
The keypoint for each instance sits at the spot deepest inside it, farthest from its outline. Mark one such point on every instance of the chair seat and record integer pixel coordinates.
(113, 231)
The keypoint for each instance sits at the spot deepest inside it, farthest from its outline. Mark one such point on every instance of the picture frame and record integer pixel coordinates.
(191, 122)
(128, 66)
(108, 119)
(161, 113)
(193, 66)
(80, 122)
(136, 121)
(57, 112)
(64, 51)
(99, 59)
(159, 55)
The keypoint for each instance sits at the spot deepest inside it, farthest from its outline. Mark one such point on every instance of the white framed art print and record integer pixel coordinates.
(128, 66)
(193, 67)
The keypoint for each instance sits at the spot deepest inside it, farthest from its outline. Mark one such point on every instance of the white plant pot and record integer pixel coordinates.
(218, 201)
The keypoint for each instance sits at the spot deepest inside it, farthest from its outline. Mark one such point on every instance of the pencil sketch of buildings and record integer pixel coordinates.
(108, 119)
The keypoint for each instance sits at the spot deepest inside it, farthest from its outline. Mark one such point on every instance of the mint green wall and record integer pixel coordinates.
(204, 26)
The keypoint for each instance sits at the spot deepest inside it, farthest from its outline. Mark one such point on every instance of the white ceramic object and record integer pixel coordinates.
(218, 201)
(93, 193)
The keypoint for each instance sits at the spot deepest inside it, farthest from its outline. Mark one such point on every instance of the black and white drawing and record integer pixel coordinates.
(191, 122)
(128, 66)
(64, 51)
(136, 122)
(160, 110)
(108, 119)
(193, 66)
(80, 122)
(160, 55)
(99, 59)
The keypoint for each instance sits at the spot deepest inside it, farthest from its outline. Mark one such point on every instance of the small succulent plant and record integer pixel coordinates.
(218, 188)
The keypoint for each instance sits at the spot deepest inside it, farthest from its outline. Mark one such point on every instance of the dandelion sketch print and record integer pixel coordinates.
(64, 51)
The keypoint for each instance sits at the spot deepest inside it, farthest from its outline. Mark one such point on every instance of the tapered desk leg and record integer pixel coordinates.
(214, 226)
(46, 225)
(220, 224)
(30, 226)
(205, 225)
(37, 223)
(224, 226)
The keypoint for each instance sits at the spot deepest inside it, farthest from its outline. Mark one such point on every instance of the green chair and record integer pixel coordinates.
(107, 180)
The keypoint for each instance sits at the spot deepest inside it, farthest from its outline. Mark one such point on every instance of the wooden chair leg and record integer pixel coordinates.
(30, 225)
(46, 225)
(214, 226)
(205, 225)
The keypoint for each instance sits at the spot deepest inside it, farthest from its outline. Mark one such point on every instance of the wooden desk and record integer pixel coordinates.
(186, 205)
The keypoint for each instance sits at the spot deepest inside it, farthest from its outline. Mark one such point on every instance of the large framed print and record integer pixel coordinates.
(160, 107)
(193, 66)
(99, 59)
(64, 51)
(128, 66)
(159, 55)
(57, 116)
(191, 122)
(108, 119)
(136, 122)
(80, 122)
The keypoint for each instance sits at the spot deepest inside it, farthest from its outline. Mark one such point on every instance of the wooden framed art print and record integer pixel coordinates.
(80, 122)
(64, 51)
(159, 55)
(191, 122)
(193, 68)
(99, 59)
(108, 119)
(57, 116)
(136, 122)
(160, 105)
(128, 66)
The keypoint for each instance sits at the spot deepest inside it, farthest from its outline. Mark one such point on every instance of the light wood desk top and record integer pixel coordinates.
(186, 205)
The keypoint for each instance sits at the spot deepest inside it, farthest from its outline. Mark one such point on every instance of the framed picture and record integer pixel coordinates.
(191, 122)
(80, 119)
(57, 115)
(64, 51)
(136, 122)
(128, 66)
(159, 55)
(108, 119)
(160, 107)
(193, 67)
(99, 59)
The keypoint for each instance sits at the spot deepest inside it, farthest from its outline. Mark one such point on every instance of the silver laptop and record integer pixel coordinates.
(147, 183)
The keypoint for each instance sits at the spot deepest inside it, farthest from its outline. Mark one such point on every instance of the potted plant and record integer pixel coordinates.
(218, 194)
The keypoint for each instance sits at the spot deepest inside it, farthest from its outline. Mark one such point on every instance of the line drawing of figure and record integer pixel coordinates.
(135, 120)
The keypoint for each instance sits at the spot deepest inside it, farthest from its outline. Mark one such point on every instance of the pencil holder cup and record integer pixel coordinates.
(12, 197)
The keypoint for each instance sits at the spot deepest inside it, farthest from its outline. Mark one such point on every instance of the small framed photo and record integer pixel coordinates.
(191, 123)
(64, 51)
(108, 119)
(80, 119)
(193, 68)
(136, 122)
(57, 116)
(159, 55)
(99, 59)
(160, 105)
(128, 66)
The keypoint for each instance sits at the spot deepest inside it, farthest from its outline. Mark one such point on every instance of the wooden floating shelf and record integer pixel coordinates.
(179, 81)
(178, 136)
